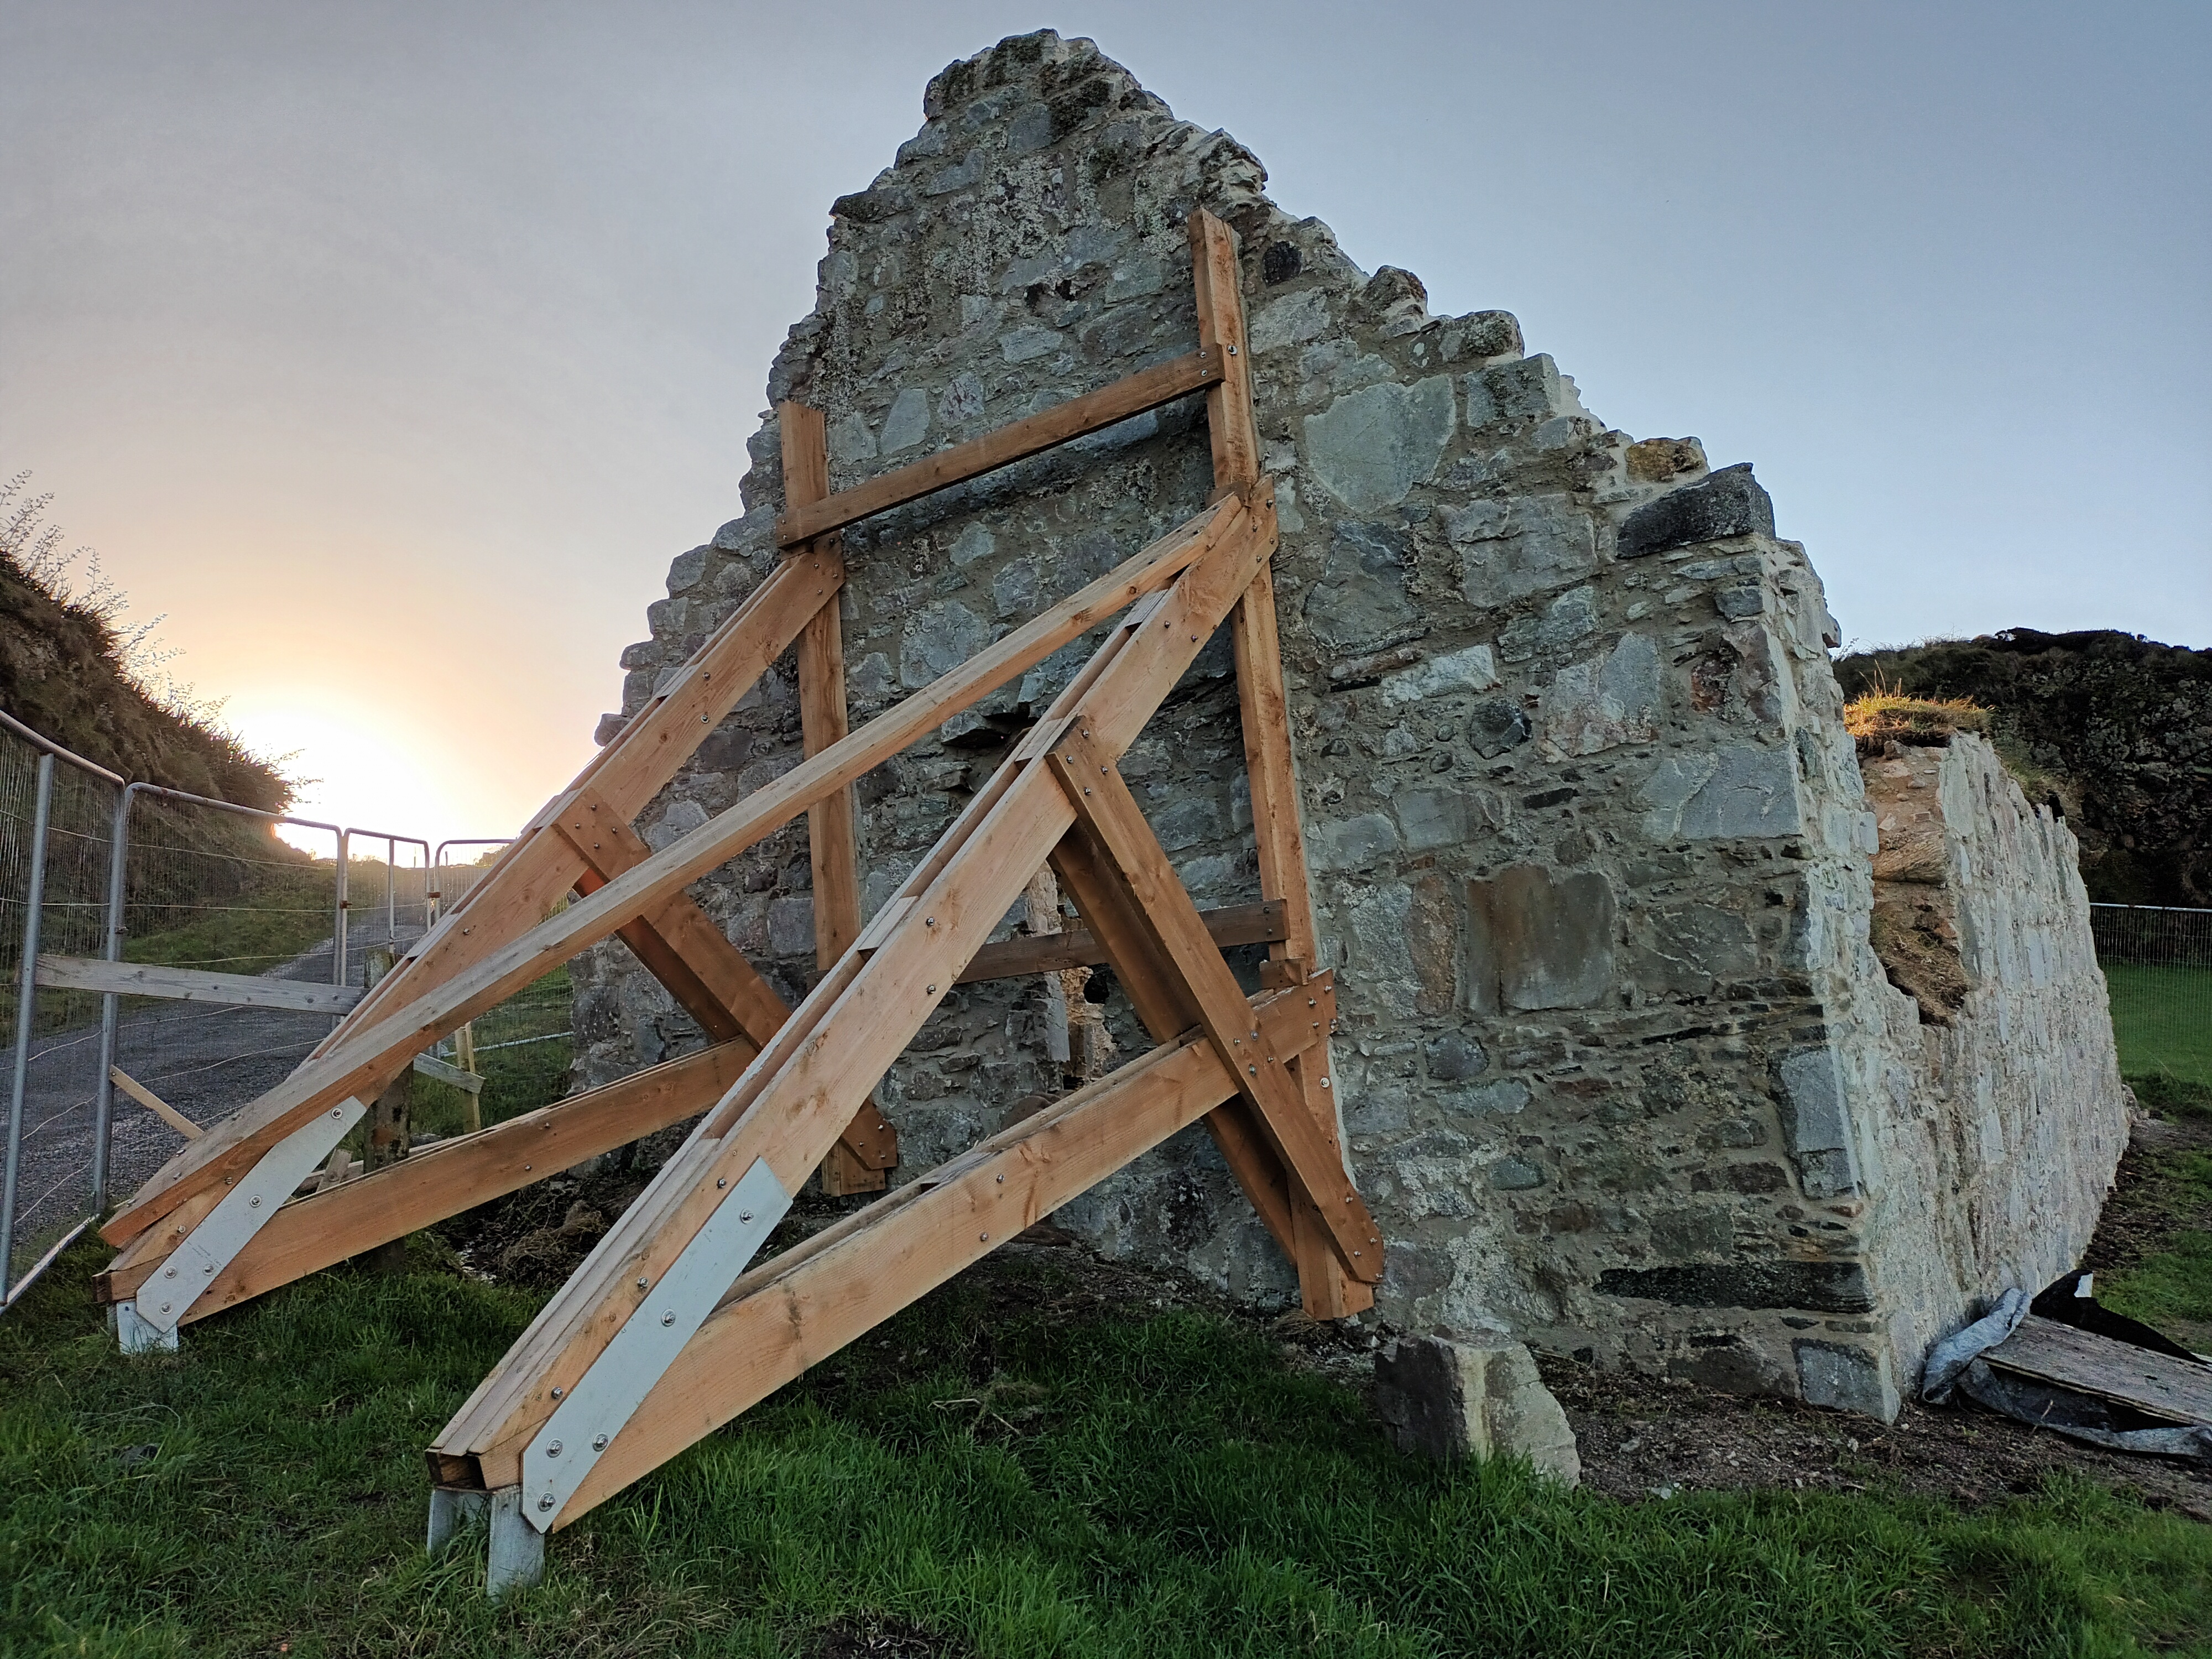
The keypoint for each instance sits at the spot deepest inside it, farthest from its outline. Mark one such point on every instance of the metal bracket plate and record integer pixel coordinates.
(163, 1300)
(134, 1335)
(601, 1400)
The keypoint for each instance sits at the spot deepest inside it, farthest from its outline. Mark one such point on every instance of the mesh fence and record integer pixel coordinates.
(209, 889)
(2158, 969)
(203, 888)
(52, 1130)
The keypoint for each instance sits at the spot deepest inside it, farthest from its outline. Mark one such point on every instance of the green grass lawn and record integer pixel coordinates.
(2169, 1285)
(2162, 1020)
(1010, 1483)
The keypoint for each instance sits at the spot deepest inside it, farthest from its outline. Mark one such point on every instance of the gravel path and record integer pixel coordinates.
(205, 1061)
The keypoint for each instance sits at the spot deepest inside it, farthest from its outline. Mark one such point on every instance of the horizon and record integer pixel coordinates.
(391, 355)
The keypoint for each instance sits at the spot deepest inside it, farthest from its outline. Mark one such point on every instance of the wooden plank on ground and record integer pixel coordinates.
(1076, 947)
(154, 1103)
(799, 1309)
(408, 1028)
(145, 979)
(2157, 1384)
(1146, 389)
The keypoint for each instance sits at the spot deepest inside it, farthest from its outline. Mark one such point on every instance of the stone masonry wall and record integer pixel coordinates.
(1619, 1072)
(2014, 1113)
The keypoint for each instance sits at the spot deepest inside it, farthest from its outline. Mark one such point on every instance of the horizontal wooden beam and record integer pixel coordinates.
(1045, 953)
(438, 1071)
(800, 1307)
(1146, 389)
(145, 979)
(442, 1180)
(371, 1054)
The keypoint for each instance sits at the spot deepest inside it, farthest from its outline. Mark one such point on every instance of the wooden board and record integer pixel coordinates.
(1075, 947)
(153, 1102)
(800, 1307)
(142, 979)
(1101, 800)
(842, 1038)
(823, 721)
(407, 1028)
(1146, 389)
(2156, 1384)
(1232, 427)
(435, 1181)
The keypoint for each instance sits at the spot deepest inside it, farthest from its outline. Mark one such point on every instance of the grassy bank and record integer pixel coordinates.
(988, 1478)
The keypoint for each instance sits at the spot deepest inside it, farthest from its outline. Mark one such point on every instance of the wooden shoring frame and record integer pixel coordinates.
(785, 1091)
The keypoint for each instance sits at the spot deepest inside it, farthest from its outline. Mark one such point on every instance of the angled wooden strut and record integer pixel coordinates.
(783, 1113)
(651, 1343)
(377, 1046)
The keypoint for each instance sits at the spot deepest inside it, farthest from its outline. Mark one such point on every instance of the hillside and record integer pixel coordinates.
(61, 673)
(2119, 726)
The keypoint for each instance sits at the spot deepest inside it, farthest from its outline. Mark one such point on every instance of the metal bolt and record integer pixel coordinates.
(335, 1111)
(1254, 1070)
(931, 992)
(599, 1443)
(165, 1307)
(641, 1283)
(721, 1181)
(929, 921)
(986, 1237)
(1232, 351)
(558, 1393)
(168, 1273)
(208, 1268)
(744, 1215)
(546, 1502)
(553, 1450)
(253, 1203)
(1002, 1181)
(525, 1169)
(1324, 1083)
(668, 1319)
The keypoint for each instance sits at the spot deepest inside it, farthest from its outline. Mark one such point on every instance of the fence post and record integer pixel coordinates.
(338, 920)
(27, 1010)
(103, 1097)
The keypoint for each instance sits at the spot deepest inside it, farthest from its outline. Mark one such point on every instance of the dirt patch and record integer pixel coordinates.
(893, 1638)
(1640, 1438)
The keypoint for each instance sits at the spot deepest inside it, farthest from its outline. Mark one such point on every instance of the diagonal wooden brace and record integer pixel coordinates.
(799, 1308)
(680, 945)
(1170, 921)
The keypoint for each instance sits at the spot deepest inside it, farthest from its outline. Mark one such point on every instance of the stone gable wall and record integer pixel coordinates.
(1589, 844)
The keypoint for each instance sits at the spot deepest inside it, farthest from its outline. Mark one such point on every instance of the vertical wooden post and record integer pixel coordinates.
(389, 1125)
(465, 1056)
(822, 721)
(1327, 1290)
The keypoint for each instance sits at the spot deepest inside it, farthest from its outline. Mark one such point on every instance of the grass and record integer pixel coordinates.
(287, 911)
(1884, 715)
(2170, 1287)
(2162, 1020)
(1156, 1485)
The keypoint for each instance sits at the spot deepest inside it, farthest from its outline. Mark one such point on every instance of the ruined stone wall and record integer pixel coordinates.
(1997, 1162)
(1590, 847)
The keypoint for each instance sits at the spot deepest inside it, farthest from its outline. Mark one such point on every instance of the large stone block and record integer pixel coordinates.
(1525, 544)
(1449, 1399)
(1369, 447)
(1728, 504)
(1537, 939)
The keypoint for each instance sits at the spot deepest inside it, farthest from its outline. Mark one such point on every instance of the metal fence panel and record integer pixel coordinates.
(52, 1059)
(2158, 969)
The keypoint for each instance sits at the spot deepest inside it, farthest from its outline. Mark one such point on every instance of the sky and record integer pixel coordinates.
(387, 352)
